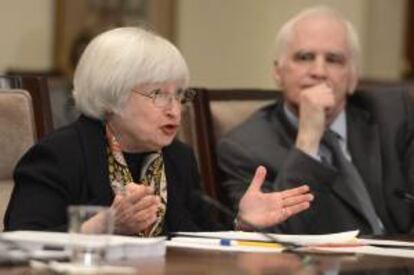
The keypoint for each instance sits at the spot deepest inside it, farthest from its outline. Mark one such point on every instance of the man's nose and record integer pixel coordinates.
(319, 69)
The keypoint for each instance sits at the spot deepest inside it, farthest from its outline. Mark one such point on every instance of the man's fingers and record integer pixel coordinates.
(258, 179)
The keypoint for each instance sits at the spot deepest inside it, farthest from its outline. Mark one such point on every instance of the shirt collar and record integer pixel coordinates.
(338, 125)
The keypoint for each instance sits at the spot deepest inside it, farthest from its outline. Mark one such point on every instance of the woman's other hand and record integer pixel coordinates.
(267, 209)
(135, 209)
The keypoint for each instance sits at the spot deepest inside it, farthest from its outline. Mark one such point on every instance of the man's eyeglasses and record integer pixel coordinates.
(162, 99)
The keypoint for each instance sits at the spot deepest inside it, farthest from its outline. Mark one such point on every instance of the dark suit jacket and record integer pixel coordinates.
(380, 129)
(70, 168)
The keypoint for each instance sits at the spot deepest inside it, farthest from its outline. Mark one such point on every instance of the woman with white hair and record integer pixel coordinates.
(130, 85)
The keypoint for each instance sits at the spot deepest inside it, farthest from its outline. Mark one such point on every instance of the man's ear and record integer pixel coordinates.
(353, 82)
(276, 73)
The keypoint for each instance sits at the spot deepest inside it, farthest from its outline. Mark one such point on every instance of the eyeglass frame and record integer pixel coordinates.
(184, 97)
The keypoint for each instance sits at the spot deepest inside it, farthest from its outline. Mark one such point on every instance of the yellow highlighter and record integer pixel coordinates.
(225, 242)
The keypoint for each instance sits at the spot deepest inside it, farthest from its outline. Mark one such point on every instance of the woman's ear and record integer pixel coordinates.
(108, 115)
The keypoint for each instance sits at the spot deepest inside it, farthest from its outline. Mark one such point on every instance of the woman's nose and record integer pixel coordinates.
(174, 106)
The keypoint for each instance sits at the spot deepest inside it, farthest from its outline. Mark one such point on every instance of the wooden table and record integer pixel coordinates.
(200, 262)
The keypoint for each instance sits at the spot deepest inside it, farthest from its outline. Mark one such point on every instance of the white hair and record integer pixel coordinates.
(118, 60)
(285, 33)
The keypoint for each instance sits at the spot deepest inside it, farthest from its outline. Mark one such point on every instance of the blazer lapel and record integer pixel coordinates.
(92, 134)
(363, 145)
(344, 192)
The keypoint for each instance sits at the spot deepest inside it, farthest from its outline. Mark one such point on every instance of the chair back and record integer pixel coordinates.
(17, 134)
(213, 114)
(38, 88)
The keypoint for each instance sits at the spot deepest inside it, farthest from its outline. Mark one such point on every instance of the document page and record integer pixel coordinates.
(118, 247)
(224, 245)
(362, 249)
(341, 237)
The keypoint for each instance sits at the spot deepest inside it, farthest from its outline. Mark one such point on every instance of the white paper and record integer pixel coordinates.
(217, 247)
(118, 247)
(342, 237)
(69, 268)
(391, 243)
(363, 249)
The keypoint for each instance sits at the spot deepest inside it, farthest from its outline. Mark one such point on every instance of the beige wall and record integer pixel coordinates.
(384, 46)
(228, 43)
(26, 31)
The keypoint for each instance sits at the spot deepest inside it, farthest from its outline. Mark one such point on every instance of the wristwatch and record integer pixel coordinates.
(239, 225)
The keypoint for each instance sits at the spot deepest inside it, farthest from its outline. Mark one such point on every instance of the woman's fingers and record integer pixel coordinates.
(294, 191)
(258, 179)
(284, 204)
(135, 210)
(135, 192)
(294, 200)
(131, 223)
(146, 214)
(295, 196)
(146, 202)
(287, 212)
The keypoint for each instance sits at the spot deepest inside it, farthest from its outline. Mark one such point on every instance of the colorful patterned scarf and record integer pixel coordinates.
(152, 174)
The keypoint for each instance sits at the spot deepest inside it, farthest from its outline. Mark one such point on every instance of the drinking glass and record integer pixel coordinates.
(89, 243)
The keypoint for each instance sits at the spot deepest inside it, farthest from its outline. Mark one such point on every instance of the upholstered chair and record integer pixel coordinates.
(212, 114)
(17, 134)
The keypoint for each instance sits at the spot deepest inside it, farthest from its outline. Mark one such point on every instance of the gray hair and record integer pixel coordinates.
(285, 34)
(118, 60)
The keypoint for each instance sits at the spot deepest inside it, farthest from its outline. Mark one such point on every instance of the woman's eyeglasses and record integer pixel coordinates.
(162, 99)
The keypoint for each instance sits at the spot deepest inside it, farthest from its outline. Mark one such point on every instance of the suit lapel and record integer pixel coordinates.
(364, 147)
(344, 192)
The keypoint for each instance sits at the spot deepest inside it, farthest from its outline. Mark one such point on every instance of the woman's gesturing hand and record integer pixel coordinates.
(267, 209)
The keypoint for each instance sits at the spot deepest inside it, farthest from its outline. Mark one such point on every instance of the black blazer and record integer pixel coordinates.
(380, 129)
(70, 167)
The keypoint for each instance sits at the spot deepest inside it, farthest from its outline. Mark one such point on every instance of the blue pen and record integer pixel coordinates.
(226, 242)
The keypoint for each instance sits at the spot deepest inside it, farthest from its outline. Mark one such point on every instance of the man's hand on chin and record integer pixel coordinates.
(314, 103)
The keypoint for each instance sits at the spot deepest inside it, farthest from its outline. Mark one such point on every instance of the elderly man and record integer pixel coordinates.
(353, 150)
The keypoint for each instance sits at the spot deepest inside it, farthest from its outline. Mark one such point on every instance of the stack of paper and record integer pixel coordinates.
(253, 241)
(71, 268)
(377, 247)
(343, 242)
(224, 244)
(118, 247)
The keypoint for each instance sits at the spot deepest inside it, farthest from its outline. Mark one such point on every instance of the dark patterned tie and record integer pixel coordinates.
(353, 179)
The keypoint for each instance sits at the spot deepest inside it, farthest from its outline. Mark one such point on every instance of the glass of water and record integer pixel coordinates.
(90, 228)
